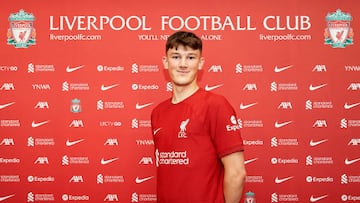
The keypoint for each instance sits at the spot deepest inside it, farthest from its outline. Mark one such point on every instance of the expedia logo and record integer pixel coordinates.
(235, 124)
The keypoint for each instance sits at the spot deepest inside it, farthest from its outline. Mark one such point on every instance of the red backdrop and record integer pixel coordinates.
(78, 81)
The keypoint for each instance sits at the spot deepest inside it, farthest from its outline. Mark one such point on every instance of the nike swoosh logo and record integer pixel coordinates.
(277, 180)
(72, 69)
(349, 106)
(35, 125)
(6, 197)
(313, 88)
(156, 131)
(104, 88)
(140, 180)
(6, 105)
(242, 106)
(138, 106)
(313, 143)
(104, 162)
(71, 143)
(279, 125)
(209, 88)
(278, 70)
(250, 160)
(348, 162)
(315, 199)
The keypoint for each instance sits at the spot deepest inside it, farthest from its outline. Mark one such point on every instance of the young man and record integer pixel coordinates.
(198, 147)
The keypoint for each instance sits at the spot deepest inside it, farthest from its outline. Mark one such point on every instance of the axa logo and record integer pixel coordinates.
(42, 160)
(215, 68)
(354, 142)
(76, 179)
(354, 86)
(285, 105)
(250, 87)
(111, 198)
(320, 124)
(146, 161)
(76, 124)
(111, 142)
(319, 68)
(7, 87)
(42, 105)
(7, 142)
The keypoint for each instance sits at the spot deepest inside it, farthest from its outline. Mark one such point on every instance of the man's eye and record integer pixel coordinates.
(175, 57)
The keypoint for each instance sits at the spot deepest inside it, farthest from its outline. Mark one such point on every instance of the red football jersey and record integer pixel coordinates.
(190, 138)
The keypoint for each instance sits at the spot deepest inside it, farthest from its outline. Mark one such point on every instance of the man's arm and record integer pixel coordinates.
(234, 176)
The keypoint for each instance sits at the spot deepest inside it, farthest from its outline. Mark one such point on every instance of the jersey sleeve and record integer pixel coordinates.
(225, 128)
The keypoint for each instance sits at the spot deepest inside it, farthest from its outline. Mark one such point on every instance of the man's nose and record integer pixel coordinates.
(183, 62)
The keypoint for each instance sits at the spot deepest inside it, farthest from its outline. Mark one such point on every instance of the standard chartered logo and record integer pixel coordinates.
(172, 158)
(134, 68)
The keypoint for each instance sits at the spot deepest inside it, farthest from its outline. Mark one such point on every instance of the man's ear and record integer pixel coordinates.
(165, 62)
(201, 63)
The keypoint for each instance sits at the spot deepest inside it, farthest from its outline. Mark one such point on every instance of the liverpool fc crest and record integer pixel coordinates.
(338, 33)
(21, 33)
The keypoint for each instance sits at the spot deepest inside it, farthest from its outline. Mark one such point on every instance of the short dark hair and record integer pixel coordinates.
(183, 38)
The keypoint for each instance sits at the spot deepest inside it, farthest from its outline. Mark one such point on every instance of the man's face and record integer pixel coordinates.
(183, 64)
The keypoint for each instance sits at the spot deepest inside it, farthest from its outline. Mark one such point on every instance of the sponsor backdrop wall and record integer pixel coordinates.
(78, 80)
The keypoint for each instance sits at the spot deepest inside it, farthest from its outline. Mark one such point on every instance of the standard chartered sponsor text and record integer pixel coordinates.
(284, 37)
(75, 37)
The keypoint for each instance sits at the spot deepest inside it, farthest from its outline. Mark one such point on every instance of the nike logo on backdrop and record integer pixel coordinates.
(104, 88)
(104, 162)
(315, 199)
(250, 160)
(138, 106)
(72, 69)
(349, 106)
(313, 88)
(279, 125)
(209, 88)
(242, 106)
(313, 143)
(6, 105)
(140, 180)
(6, 197)
(35, 125)
(348, 162)
(278, 70)
(71, 143)
(277, 180)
